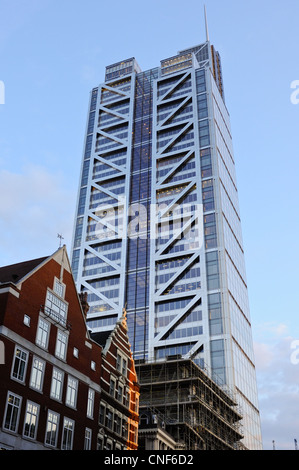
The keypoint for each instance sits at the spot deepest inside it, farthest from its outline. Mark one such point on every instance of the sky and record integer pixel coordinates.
(52, 53)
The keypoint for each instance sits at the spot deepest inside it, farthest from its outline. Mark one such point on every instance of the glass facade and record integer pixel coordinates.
(158, 229)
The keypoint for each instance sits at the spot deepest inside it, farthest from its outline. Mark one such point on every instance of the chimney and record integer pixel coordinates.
(84, 303)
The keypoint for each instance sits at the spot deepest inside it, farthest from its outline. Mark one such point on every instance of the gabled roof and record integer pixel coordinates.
(18, 273)
(15, 272)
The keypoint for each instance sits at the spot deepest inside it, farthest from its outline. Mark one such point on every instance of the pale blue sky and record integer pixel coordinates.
(53, 52)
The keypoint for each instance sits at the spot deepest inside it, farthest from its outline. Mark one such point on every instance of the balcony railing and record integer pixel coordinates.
(55, 317)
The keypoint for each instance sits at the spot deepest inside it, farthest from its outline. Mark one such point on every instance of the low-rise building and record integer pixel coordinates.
(52, 370)
(119, 403)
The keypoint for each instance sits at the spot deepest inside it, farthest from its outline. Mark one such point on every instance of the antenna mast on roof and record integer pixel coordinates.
(61, 238)
(206, 23)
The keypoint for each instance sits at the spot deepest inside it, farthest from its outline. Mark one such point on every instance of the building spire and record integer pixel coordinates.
(206, 23)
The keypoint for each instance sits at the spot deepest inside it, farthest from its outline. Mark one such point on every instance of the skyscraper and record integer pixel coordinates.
(158, 228)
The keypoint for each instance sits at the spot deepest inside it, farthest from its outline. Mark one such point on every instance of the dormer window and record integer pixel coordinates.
(59, 288)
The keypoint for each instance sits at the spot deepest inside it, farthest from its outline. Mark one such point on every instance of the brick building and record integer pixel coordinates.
(50, 366)
(119, 405)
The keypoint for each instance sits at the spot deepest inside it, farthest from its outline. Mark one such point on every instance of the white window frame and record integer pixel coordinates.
(67, 434)
(51, 423)
(59, 288)
(19, 362)
(87, 439)
(26, 320)
(16, 407)
(56, 380)
(71, 392)
(90, 403)
(42, 334)
(33, 416)
(76, 352)
(37, 374)
(58, 307)
(61, 344)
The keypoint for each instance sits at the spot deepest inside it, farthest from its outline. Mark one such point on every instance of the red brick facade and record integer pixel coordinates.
(120, 393)
(52, 373)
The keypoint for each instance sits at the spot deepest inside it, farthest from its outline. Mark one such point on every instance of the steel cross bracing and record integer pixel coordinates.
(178, 122)
(114, 109)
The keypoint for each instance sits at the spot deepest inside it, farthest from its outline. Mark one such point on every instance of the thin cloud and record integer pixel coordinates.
(34, 205)
(278, 386)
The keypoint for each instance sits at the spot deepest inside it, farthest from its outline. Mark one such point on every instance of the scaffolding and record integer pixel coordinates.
(190, 406)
